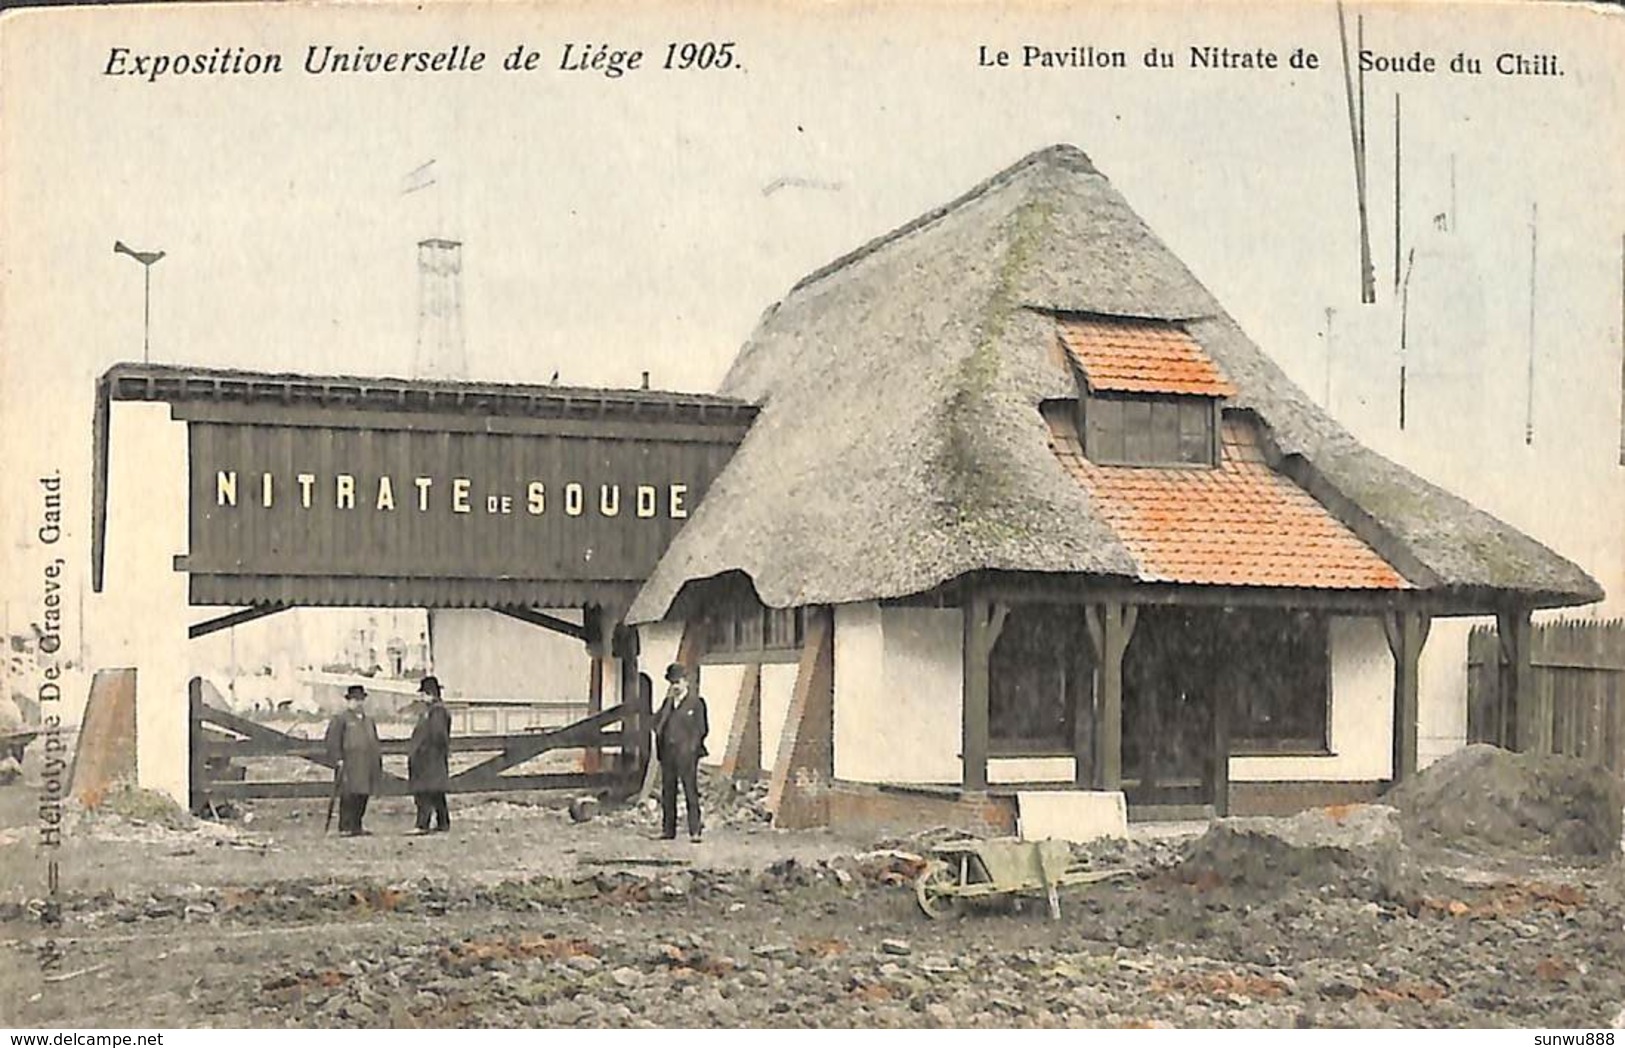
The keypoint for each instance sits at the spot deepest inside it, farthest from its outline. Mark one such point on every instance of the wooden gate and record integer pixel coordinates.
(1579, 689)
(224, 745)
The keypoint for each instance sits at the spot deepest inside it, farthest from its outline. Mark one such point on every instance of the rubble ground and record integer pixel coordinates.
(522, 917)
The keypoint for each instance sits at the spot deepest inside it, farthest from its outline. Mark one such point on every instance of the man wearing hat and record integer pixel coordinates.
(680, 728)
(352, 742)
(426, 760)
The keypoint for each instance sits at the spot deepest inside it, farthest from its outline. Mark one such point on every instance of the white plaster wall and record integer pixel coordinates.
(860, 716)
(721, 693)
(901, 666)
(1002, 770)
(897, 694)
(1361, 714)
(778, 690)
(140, 617)
(657, 649)
(1442, 704)
(923, 694)
(480, 654)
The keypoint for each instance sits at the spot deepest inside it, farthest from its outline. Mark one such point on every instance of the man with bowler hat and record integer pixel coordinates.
(680, 728)
(426, 760)
(352, 742)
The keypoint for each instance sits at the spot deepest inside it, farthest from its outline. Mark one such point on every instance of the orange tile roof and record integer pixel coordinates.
(1141, 356)
(1238, 524)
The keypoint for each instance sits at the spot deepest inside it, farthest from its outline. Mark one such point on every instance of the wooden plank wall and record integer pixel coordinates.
(1579, 675)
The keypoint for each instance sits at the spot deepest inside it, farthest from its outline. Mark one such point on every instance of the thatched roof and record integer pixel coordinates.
(900, 446)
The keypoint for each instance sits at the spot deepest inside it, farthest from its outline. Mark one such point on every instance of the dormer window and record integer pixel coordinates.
(1131, 430)
(1148, 394)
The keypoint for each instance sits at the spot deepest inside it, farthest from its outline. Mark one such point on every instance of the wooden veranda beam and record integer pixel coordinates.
(544, 620)
(235, 618)
(1028, 588)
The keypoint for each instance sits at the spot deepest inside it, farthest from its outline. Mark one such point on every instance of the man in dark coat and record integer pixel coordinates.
(680, 728)
(352, 742)
(426, 760)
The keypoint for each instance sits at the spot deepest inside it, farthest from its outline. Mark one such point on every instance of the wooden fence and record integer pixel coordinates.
(1579, 689)
(223, 744)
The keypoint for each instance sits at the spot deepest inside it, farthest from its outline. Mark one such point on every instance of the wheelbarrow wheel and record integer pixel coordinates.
(935, 890)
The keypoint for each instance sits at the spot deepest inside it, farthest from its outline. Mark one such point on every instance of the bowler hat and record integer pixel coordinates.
(675, 672)
(355, 691)
(429, 686)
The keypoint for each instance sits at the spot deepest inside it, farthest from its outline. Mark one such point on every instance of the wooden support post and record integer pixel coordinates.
(598, 641)
(690, 649)
(1111, 711)
(634, 700)
(983, 622)
(1522, 714)
(1407, 631)
(804, 764)
(1111, 626)
(973, 722)
(743, 758)
(198, 760)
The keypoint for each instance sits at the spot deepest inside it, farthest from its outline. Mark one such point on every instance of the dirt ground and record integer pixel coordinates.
(520, 917)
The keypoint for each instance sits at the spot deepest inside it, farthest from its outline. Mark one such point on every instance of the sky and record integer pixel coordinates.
(614, 225)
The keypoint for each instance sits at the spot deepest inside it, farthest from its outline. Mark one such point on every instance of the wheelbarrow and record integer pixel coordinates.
(13, 745)
(14, 742)
(964, 871)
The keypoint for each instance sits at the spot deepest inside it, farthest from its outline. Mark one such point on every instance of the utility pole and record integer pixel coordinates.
(1404, 331)
(1326, 400)
(1529, 392)
(1368, 277)
(1397, 209)
(147, 260)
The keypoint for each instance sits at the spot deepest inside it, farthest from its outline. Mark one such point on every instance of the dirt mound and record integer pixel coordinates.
(1355, 848)
(139, 806)
(1485, 798)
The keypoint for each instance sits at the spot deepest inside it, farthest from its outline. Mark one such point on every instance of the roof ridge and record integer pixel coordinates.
(1061, 155)
(184, 373)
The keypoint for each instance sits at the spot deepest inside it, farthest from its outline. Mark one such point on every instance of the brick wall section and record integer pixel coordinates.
(805, 763)
(743, 758)
(866, 810)
(1289, 798)
(863, 810)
